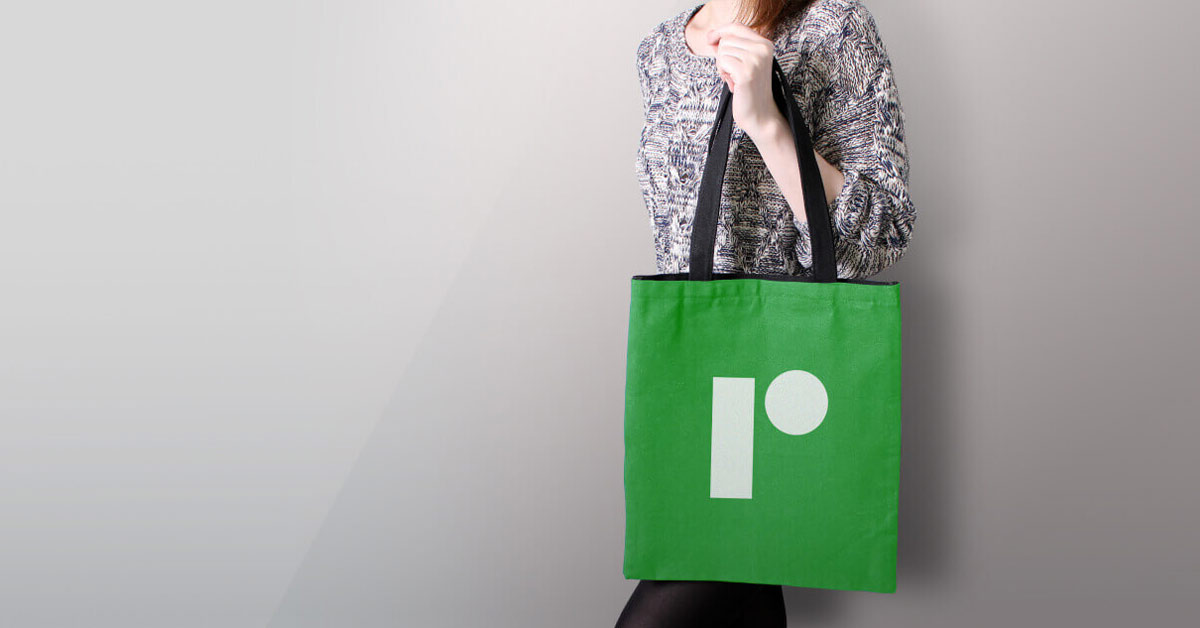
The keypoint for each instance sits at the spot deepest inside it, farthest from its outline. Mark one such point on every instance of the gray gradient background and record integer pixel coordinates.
(314, 313)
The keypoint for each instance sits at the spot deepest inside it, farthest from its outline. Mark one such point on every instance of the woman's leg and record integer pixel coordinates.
(703, 604)
(766, 608)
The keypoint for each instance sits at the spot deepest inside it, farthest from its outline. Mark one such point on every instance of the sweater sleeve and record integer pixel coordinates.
(858, 127)
(644, 49)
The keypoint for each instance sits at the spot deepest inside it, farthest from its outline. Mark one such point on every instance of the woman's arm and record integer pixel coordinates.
(861, 127)
(778, 149)
(744, 58)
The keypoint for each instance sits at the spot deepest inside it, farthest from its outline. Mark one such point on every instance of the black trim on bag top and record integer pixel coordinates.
(715, 276)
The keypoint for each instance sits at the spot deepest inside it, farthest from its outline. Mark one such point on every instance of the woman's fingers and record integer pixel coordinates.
(741, 52)
(750, 45)
(743, 60)
(734, 28)
(716, 38)
(732, 69)
(743, 43)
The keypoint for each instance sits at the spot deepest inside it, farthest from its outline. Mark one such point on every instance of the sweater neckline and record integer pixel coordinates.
(690, 62)
(687, 17)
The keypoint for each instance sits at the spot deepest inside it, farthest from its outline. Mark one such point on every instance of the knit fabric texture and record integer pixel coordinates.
(842, 79)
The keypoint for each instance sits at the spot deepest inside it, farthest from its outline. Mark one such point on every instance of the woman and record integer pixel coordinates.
(842, 78)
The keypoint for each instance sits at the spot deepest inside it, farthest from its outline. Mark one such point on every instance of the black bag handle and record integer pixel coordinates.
(704, 225)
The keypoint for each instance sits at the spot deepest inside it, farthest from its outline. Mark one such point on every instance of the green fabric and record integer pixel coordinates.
(823, 506)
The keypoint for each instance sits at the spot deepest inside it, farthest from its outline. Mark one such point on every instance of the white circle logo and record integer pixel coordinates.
(796, 402)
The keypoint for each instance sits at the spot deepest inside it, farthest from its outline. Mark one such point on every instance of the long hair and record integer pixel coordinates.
(765, 16)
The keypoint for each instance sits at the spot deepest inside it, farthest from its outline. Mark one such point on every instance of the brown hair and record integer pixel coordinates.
(765, 16)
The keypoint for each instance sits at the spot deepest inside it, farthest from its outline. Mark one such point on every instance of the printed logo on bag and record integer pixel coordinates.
(796, 403)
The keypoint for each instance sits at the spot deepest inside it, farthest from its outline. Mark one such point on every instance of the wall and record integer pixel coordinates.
(314, 313)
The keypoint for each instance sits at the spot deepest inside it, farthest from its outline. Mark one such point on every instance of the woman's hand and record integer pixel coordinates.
(744, 61)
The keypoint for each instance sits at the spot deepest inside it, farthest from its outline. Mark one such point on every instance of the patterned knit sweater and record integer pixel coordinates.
(842, 79)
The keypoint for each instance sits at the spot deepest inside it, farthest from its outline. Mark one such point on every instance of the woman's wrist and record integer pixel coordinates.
(774, 137)
(770, 128)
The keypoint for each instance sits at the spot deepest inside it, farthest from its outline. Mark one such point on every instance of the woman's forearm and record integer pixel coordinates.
(778, 149)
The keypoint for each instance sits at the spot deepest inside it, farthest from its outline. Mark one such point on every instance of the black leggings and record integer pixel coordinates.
(703, 603)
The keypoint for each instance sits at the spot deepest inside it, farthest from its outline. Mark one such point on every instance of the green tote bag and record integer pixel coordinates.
(762, 412)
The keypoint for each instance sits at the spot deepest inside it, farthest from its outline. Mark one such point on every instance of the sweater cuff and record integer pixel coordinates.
(854, 193)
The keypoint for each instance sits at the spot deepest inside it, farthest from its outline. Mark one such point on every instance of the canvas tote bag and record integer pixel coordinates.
(762, 412)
